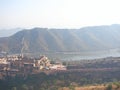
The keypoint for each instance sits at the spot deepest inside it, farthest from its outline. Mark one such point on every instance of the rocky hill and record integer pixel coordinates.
(62, 40)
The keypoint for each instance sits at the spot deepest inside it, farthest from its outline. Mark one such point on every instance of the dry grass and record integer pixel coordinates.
(92, 87)
(100, 87)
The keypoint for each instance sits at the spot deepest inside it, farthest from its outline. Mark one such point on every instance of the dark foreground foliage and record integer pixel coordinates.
(54, 81)
(78, 74)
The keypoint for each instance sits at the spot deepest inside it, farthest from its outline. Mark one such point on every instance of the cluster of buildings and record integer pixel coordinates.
(19, 64)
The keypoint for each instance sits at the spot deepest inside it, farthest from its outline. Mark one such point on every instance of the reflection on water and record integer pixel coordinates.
(94, 56)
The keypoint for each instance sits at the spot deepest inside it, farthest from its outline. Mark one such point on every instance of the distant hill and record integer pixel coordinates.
(96, 38)
(8, 32)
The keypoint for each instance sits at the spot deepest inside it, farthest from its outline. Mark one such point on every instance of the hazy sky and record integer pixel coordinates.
(58, 13)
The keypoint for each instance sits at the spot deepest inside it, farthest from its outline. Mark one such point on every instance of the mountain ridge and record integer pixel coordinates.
(62, 40)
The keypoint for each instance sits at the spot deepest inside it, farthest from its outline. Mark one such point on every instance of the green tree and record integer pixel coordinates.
(52, 62)
(14, 88)
(64, 63)
(117, 85)
(109, 87)
(25, 87)
(71, 87)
